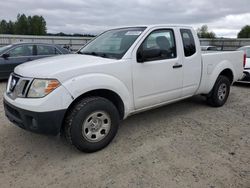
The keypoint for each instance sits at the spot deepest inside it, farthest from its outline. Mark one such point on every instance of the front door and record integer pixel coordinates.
(157, 72)
(16, 56)
(42, 51)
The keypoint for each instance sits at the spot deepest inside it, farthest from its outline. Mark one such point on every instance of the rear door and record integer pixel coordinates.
(43, 51)
(192, 65)
(17, 55)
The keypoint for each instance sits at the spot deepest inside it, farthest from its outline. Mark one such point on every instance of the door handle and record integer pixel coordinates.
(176, 66)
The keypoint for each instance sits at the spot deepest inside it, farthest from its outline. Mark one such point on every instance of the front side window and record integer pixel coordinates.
(25, 50)
(46, 50)
(160, 44)
(113, 43)
(188, 42)
(4, 48)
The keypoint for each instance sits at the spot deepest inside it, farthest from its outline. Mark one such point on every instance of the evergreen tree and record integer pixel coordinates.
(204, 33)
(244, 32)
(21, 25)
(10, 27)
(37, 25)
(3, 27)
(30, 29)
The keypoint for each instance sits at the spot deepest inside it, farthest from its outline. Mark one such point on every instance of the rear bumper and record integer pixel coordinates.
(38, 122)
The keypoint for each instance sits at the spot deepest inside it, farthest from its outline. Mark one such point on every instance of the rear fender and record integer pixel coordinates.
(211, 73)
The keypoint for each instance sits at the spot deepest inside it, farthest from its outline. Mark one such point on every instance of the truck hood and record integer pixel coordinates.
(62, 66)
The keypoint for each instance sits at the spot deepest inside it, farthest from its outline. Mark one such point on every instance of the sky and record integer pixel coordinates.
(224, 17)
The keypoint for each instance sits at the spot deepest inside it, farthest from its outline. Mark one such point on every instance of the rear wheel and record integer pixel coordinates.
(92, 124)
(220, 92)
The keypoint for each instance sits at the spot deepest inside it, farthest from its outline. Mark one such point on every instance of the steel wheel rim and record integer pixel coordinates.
(222, 92)
(96, 126)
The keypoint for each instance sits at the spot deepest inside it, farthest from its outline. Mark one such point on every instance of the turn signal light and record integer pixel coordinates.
(53, 84)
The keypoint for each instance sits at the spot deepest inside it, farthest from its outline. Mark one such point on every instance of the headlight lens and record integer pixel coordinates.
(40, 88)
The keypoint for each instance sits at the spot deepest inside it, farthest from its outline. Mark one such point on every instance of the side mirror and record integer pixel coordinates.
(139, 56)
(148, 55)
(5, 56)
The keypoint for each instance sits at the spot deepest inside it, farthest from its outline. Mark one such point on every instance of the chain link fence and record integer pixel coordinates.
(72, 43)
(225, 44)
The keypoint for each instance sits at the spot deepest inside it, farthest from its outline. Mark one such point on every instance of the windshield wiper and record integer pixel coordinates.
(94, 54)
(103, 55)
(89, 53)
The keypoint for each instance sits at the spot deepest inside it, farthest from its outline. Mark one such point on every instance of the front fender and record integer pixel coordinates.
(77, 86)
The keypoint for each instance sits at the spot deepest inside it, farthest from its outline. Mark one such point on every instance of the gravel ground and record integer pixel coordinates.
(186, 144)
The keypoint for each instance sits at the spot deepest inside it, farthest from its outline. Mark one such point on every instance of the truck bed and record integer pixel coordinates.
(212, 63)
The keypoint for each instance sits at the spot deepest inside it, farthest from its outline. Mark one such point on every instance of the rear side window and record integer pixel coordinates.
(188, 42)
(46, 50)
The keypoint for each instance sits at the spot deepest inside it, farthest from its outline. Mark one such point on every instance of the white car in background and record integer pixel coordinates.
(246, 76)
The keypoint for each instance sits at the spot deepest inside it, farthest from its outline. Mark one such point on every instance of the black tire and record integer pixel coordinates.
(76, 119)
(215, 99)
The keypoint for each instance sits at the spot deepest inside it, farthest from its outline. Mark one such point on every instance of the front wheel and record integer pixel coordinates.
(220, 92)
(92, 124)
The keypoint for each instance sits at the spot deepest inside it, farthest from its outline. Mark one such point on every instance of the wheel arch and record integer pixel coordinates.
(105, 93)
(227, 73)
(211, 73)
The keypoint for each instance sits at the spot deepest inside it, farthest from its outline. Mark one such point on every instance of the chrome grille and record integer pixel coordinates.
(18, 86)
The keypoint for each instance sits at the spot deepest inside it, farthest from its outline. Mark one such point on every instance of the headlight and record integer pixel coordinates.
(40, 88)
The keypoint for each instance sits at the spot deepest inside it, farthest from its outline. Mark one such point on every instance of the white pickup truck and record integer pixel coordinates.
(121, 72)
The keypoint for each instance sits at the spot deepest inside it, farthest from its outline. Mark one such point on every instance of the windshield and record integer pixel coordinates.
(3, 48)
(246, 50)
(113, 43)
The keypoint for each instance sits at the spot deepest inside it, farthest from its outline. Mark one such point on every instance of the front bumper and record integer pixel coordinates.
(38, 122)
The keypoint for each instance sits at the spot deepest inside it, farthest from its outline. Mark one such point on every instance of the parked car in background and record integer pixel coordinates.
(209, 48)
(15, 54)
(246, 76)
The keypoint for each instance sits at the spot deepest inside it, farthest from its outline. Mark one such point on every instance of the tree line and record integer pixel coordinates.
(203, 32)
(36, 25)
(31, 25)
(70, 35)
